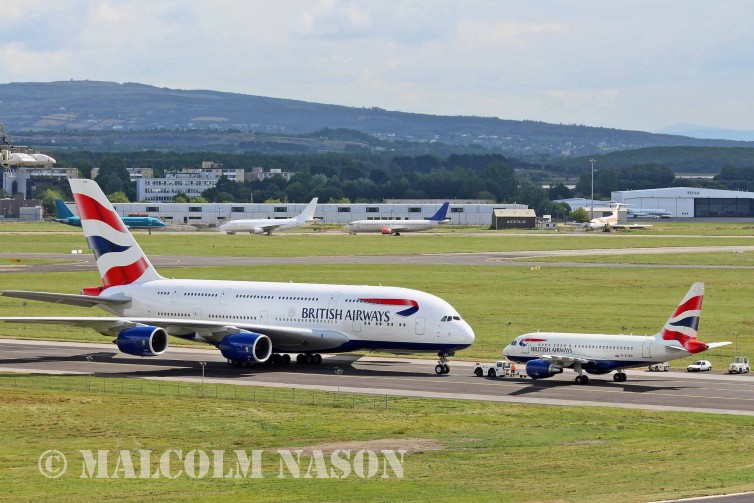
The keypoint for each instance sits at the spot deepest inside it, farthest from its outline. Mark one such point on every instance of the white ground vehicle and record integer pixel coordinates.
(501, 368)
(699, 366)
(659, 367)
(739, 365)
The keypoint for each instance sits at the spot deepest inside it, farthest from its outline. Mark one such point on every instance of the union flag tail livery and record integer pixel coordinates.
(250, 322)
(683, 325)
(548, 353)
(119, 258)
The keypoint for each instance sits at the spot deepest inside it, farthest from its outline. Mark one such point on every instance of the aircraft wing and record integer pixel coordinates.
(270, 228)
(398, 229)
(565, 360)
(283, 338)
(65, 298)
(630, 226)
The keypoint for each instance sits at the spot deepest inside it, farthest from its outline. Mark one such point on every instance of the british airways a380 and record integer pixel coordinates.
(249, 321)
(548, 353)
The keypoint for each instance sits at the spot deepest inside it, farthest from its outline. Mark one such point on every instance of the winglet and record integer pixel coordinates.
(440, 215)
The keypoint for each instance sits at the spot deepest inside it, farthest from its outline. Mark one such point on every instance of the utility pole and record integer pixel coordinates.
(592, 161)
(203, 365)
(89, 374)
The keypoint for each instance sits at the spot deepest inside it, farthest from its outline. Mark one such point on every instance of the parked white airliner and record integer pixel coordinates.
(611, 222)
(386, 226)
(548, 353)
(648, 212)
(267, 225)
(249, 321)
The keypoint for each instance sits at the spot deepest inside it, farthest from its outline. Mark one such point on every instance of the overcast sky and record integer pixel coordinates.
(629, 64)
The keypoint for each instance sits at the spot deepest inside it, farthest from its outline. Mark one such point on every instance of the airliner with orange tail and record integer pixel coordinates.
(249, 321)
(548, 353)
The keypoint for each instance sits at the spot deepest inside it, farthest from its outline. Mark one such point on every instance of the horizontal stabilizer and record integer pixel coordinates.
(65, 298)
(712, 345)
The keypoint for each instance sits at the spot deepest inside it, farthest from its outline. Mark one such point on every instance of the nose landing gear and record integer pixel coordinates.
(442, 366)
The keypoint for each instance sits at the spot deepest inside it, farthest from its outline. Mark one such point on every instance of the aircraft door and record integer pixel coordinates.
(419, 326)
(646, 349)
(263, 316)
(197, 313)
(224, 296)
(333, 302)
(150, 312)
(524, 348)
(176, 294)
(357, 325)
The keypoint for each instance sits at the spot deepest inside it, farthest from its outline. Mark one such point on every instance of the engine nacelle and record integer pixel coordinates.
(246, 347)
(257, 230)
(386, 230)
(540, 369)
(143, 341)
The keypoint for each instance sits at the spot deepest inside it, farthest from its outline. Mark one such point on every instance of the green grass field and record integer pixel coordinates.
(487, 451)
(479, 451)
(337, 244)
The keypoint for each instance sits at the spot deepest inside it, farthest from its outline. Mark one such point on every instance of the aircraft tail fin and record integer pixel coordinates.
(440, 215)
(308, 214)
(683, 325)
(62, 209)
(119, 258)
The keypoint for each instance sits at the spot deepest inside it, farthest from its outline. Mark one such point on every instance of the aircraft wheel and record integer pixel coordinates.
(276, 359)
(478, 372)
(309, 358)
(317, 359)
(439, 369)
(446, 369)
(300, 359)
(286, 359)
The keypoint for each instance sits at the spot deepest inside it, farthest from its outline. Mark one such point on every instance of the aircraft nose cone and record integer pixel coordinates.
(467, 334)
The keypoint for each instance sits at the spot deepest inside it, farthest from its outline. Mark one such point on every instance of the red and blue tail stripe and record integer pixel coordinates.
(119, 258)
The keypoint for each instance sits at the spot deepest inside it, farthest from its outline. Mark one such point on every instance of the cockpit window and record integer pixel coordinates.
(513, 343)
(456, 317)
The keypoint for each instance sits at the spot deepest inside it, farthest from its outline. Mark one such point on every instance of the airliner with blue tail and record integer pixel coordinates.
(248, 321)
(395, 227)
(66, 216)
(548, 353)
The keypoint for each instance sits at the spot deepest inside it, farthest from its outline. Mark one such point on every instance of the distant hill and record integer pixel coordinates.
(132, 114)
(682, 160)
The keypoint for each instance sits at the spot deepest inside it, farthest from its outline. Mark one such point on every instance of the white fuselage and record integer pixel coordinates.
(432, 326)
(609, 352)
(391, 226)
(257, 226)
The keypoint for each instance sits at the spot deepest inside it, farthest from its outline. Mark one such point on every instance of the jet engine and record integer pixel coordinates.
(246, 347)
(143, 341)
(257, 230)
(386, 230)
(540, 369)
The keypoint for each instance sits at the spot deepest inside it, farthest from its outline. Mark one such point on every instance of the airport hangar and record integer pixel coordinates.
(690, 202)
(459, 213)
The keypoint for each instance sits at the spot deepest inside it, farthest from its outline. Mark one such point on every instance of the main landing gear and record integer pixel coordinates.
(309, 359)
(620, 376)
(581, 378)
(442, 366)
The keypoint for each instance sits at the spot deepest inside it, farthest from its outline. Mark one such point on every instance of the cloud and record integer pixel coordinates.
(632, 64)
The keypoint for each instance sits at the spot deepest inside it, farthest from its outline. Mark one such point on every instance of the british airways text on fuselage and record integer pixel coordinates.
(324, 313)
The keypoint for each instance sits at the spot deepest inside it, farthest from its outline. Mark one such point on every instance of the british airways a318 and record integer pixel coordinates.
(249, 321)
(548, 353)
